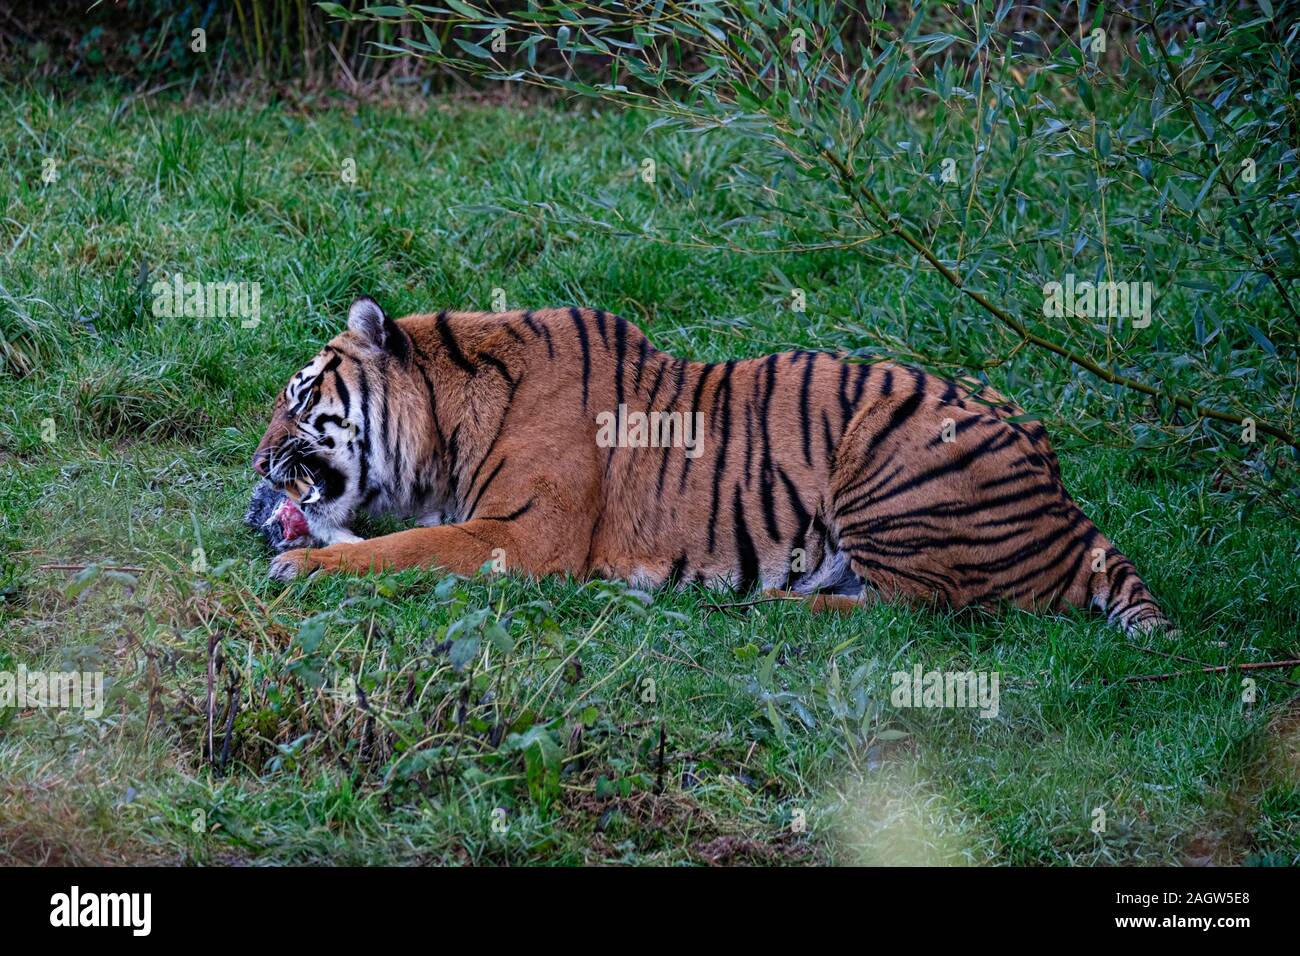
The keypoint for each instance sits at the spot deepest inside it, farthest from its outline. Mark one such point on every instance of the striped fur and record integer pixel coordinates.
(818, 475)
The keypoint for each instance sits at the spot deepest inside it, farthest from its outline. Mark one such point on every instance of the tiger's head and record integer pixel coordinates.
(317, 448)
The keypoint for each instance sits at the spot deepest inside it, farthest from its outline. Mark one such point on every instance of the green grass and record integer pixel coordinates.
(551, 719)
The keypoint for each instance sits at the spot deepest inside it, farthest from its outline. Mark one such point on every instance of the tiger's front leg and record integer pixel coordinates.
(459, 548)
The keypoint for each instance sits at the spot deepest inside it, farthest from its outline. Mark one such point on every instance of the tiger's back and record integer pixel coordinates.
(576, 446)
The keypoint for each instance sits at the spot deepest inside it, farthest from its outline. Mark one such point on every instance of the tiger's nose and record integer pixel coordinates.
(260, 463)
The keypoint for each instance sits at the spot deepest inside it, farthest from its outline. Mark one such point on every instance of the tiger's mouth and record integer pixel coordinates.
(298, 470)
(300, 491)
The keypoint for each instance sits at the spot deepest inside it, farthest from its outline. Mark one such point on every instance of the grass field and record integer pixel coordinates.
(567, 722)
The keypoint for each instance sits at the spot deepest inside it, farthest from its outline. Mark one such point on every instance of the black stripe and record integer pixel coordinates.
(397, 342)
(452, 346)
(473, 478)
(1117, 577)
(744, 546)
(749, 440)
(580, 324)
(654, 392)
(323, 419)
(500, 366)
(398, 463)
(722, 395)
(620, 354)
(958, 463)
(654, 389)
(940, 583)
(540, 330)
(801, 514)
(1013, 588)
(1061, 585)
(866, 479)
(344, 352)
(363, 481)
(765, 469)
(390, 437)
(947, 510)
(385, 414)
(901, 414)
(486, 484)
(1037, 546)
(1049, 490)
(765, 487)
(335, 361)
(944, 538)
(864, 372)
(345, 396)
(695, 407)
(514, 514)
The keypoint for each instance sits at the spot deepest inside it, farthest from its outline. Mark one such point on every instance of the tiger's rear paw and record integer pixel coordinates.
(1155, 625)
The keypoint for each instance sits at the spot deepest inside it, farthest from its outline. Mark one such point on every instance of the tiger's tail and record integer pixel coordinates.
(1115, 589)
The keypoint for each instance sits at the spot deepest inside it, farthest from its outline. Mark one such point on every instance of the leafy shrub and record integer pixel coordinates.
(921, 147)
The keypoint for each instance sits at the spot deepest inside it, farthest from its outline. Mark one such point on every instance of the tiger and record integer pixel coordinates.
(812, 475)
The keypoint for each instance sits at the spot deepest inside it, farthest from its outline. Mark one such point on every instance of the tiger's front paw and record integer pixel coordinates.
(302, 561)
(290, 564)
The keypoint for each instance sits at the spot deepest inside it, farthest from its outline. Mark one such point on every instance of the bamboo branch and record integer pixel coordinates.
(1212, 669)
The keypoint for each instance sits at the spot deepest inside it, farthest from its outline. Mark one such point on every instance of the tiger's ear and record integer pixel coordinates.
(368, 322)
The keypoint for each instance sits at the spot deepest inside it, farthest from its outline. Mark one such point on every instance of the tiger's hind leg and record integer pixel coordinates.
(949, 502)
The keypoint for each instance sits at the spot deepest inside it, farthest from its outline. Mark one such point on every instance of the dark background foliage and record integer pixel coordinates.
(135, 41)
